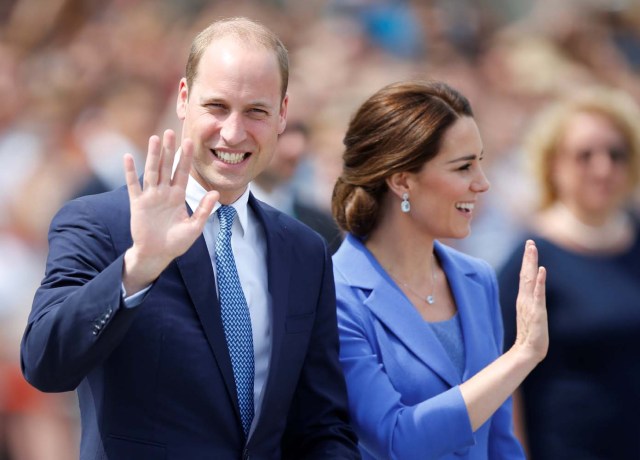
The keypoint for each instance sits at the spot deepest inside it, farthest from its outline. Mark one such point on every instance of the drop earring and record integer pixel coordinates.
(405, 206)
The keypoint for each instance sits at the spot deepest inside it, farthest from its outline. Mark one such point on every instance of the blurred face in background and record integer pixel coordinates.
(291, 148)
(591, 168)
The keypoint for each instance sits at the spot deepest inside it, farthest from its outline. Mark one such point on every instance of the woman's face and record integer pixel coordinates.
(591, 168)
(444, 192)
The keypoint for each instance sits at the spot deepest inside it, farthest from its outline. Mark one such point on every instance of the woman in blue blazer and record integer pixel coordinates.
(420, 323)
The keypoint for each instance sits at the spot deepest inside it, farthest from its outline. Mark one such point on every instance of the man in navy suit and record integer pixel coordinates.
(128, 311)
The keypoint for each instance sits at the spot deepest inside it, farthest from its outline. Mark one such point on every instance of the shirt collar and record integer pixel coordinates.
(195, 192)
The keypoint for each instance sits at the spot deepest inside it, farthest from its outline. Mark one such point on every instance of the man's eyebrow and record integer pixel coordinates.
(221, 100)
(264, 105)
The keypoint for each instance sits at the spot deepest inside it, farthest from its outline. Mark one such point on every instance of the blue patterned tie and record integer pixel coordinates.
(235, 317)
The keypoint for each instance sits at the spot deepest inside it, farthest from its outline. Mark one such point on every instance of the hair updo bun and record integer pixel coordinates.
(354, 208)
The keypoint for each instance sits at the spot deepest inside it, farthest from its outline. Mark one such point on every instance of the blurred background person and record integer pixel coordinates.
(116, 122)
(583, 401)
(277, 186)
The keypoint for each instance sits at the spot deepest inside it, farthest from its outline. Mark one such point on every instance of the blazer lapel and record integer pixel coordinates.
(395, 311)
(197, 274)
(471, 299)
(400, 317)
(279, 273)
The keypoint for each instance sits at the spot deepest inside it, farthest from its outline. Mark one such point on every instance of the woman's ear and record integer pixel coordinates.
(398, 183)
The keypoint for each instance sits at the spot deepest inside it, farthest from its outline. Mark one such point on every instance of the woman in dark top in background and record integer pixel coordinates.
(583, 401)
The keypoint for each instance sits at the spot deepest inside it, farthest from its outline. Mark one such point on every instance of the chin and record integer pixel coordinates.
(462, 234)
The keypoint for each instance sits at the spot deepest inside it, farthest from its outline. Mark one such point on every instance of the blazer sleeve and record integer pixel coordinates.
(386, 426)
(319, 426)
(503, 443)
(78, 316)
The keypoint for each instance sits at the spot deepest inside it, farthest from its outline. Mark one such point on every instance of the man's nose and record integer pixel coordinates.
(233, 131)
(601, 163)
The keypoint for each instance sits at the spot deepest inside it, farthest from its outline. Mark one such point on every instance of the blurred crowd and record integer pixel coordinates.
(84, 81)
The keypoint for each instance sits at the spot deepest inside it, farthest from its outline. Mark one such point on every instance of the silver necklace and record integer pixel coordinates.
(430, 298)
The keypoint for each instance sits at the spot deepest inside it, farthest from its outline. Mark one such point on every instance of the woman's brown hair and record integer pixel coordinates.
(398, 129)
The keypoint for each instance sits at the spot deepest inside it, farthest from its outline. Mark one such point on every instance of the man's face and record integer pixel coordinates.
(233, 113)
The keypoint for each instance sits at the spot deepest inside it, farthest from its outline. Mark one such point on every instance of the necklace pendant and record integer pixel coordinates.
(430, 300)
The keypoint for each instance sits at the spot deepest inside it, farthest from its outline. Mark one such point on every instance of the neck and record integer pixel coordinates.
(600, 233)
(402, 252)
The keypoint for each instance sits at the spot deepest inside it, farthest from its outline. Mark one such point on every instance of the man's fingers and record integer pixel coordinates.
(203, 211)
(181, 175)
(152, 163)
(166, 160)
(131, 176)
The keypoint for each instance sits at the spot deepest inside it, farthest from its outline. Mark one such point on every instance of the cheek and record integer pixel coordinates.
(567, 179)
(264, 134)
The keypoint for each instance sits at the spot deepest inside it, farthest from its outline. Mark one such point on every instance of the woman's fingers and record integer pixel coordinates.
(540, 291)
(529, 270)
(531, 304)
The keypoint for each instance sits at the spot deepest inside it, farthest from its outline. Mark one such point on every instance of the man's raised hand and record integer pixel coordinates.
(161, 227)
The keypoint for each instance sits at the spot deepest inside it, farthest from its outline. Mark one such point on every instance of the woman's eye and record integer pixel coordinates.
(584, 156)
(618, 155)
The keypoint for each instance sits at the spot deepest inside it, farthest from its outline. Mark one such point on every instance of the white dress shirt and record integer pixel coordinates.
(250, 253)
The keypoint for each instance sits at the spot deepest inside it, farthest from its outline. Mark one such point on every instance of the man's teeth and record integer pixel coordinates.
(466, 207)
(231, 158)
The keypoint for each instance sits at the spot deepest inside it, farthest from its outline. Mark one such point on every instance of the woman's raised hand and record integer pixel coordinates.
(532, 336)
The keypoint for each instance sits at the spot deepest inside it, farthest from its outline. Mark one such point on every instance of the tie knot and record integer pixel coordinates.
(226, 215)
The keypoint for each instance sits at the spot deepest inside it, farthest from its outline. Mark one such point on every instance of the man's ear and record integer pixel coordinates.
(183, 98)
(282, 122)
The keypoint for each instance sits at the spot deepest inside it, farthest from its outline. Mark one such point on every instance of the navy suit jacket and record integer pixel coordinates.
(404, 390)
(155, 381)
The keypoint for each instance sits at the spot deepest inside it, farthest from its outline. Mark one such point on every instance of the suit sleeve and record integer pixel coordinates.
(503, 443)
(318, 425)
(77, 317)
(387, 427)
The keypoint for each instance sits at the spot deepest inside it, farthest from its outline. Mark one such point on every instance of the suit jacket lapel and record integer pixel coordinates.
(279, 273)
(197, 274)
